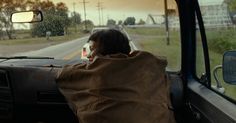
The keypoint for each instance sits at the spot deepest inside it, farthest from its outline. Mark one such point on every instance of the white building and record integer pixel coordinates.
(215, 13)
(155, 19)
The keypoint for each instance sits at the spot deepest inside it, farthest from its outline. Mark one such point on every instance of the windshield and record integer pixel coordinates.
(151, 25)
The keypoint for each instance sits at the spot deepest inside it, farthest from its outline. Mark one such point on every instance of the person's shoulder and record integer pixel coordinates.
(147, 55)
(69, 69)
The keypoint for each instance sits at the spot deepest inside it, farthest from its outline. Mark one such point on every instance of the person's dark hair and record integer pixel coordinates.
(110, 41)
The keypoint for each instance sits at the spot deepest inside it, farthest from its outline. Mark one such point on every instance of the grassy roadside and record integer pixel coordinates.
(216, 59)
(157, 45)
(56, 39)
(154, 41)
(146, 31)
(216, 56)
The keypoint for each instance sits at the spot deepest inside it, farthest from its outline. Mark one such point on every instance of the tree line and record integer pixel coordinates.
(56, 19)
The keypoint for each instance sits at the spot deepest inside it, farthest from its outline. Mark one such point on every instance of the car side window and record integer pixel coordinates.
(220, 31)
(200, 61)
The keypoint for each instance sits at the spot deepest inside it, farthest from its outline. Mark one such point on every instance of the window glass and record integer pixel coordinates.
(221, 34)
(66, 26)
(200, 61)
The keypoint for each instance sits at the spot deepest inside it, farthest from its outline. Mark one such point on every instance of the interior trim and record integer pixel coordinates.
(213, 106)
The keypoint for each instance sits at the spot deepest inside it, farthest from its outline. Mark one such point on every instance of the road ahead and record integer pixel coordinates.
(68, 50)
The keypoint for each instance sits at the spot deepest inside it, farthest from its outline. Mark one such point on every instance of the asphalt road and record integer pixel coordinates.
(67, 51)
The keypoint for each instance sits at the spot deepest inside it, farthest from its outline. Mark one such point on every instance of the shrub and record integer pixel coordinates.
(222, 41)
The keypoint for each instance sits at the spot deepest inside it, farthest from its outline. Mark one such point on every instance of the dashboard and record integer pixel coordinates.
(30, 94)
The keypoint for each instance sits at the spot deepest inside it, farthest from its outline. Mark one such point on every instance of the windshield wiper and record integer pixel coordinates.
(26, 57)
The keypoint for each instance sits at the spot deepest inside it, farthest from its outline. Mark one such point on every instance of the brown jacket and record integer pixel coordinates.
(118, 89)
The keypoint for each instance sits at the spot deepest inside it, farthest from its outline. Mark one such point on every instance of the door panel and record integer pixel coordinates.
(176, 94)
(208, 107)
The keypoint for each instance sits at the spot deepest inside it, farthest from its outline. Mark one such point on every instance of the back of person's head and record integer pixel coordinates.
(110, 41)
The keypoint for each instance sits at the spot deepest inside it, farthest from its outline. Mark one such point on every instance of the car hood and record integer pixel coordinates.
(38, 62)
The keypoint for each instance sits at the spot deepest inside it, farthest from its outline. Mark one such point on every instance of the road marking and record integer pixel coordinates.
(72, 55)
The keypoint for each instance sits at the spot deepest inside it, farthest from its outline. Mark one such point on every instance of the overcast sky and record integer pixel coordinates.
(119, 9)
(116, 9)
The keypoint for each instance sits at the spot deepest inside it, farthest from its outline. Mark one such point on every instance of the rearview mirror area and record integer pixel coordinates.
(27, 16)
(229, 67)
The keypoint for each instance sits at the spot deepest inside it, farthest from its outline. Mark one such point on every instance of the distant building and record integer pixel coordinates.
(233, 16)
(159, 20)
(173, 18)
(215, 13)
(155, 19)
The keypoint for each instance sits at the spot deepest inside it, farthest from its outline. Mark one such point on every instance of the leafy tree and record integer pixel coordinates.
(111, 22)
(141, 22)
(54, 24)
(232, 9)
(120, 22)
(56, 19)
(129, 21)
(7, 7)
(88, 22)
(75, 18)
(232, 4)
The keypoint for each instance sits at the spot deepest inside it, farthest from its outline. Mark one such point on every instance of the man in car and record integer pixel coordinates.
(117, 86)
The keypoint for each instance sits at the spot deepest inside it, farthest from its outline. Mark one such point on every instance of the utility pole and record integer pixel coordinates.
(102, 15)
(166, 23)
(99, 11)
(108, 17)
(85, 23)
(74, 16)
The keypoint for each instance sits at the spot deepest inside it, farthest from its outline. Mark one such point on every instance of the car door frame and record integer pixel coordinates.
(202, 104)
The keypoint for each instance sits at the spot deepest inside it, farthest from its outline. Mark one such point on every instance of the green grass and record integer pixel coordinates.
(41, 39)
(221, 40)
(146, 31)
(157, 45)
(216, 57)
